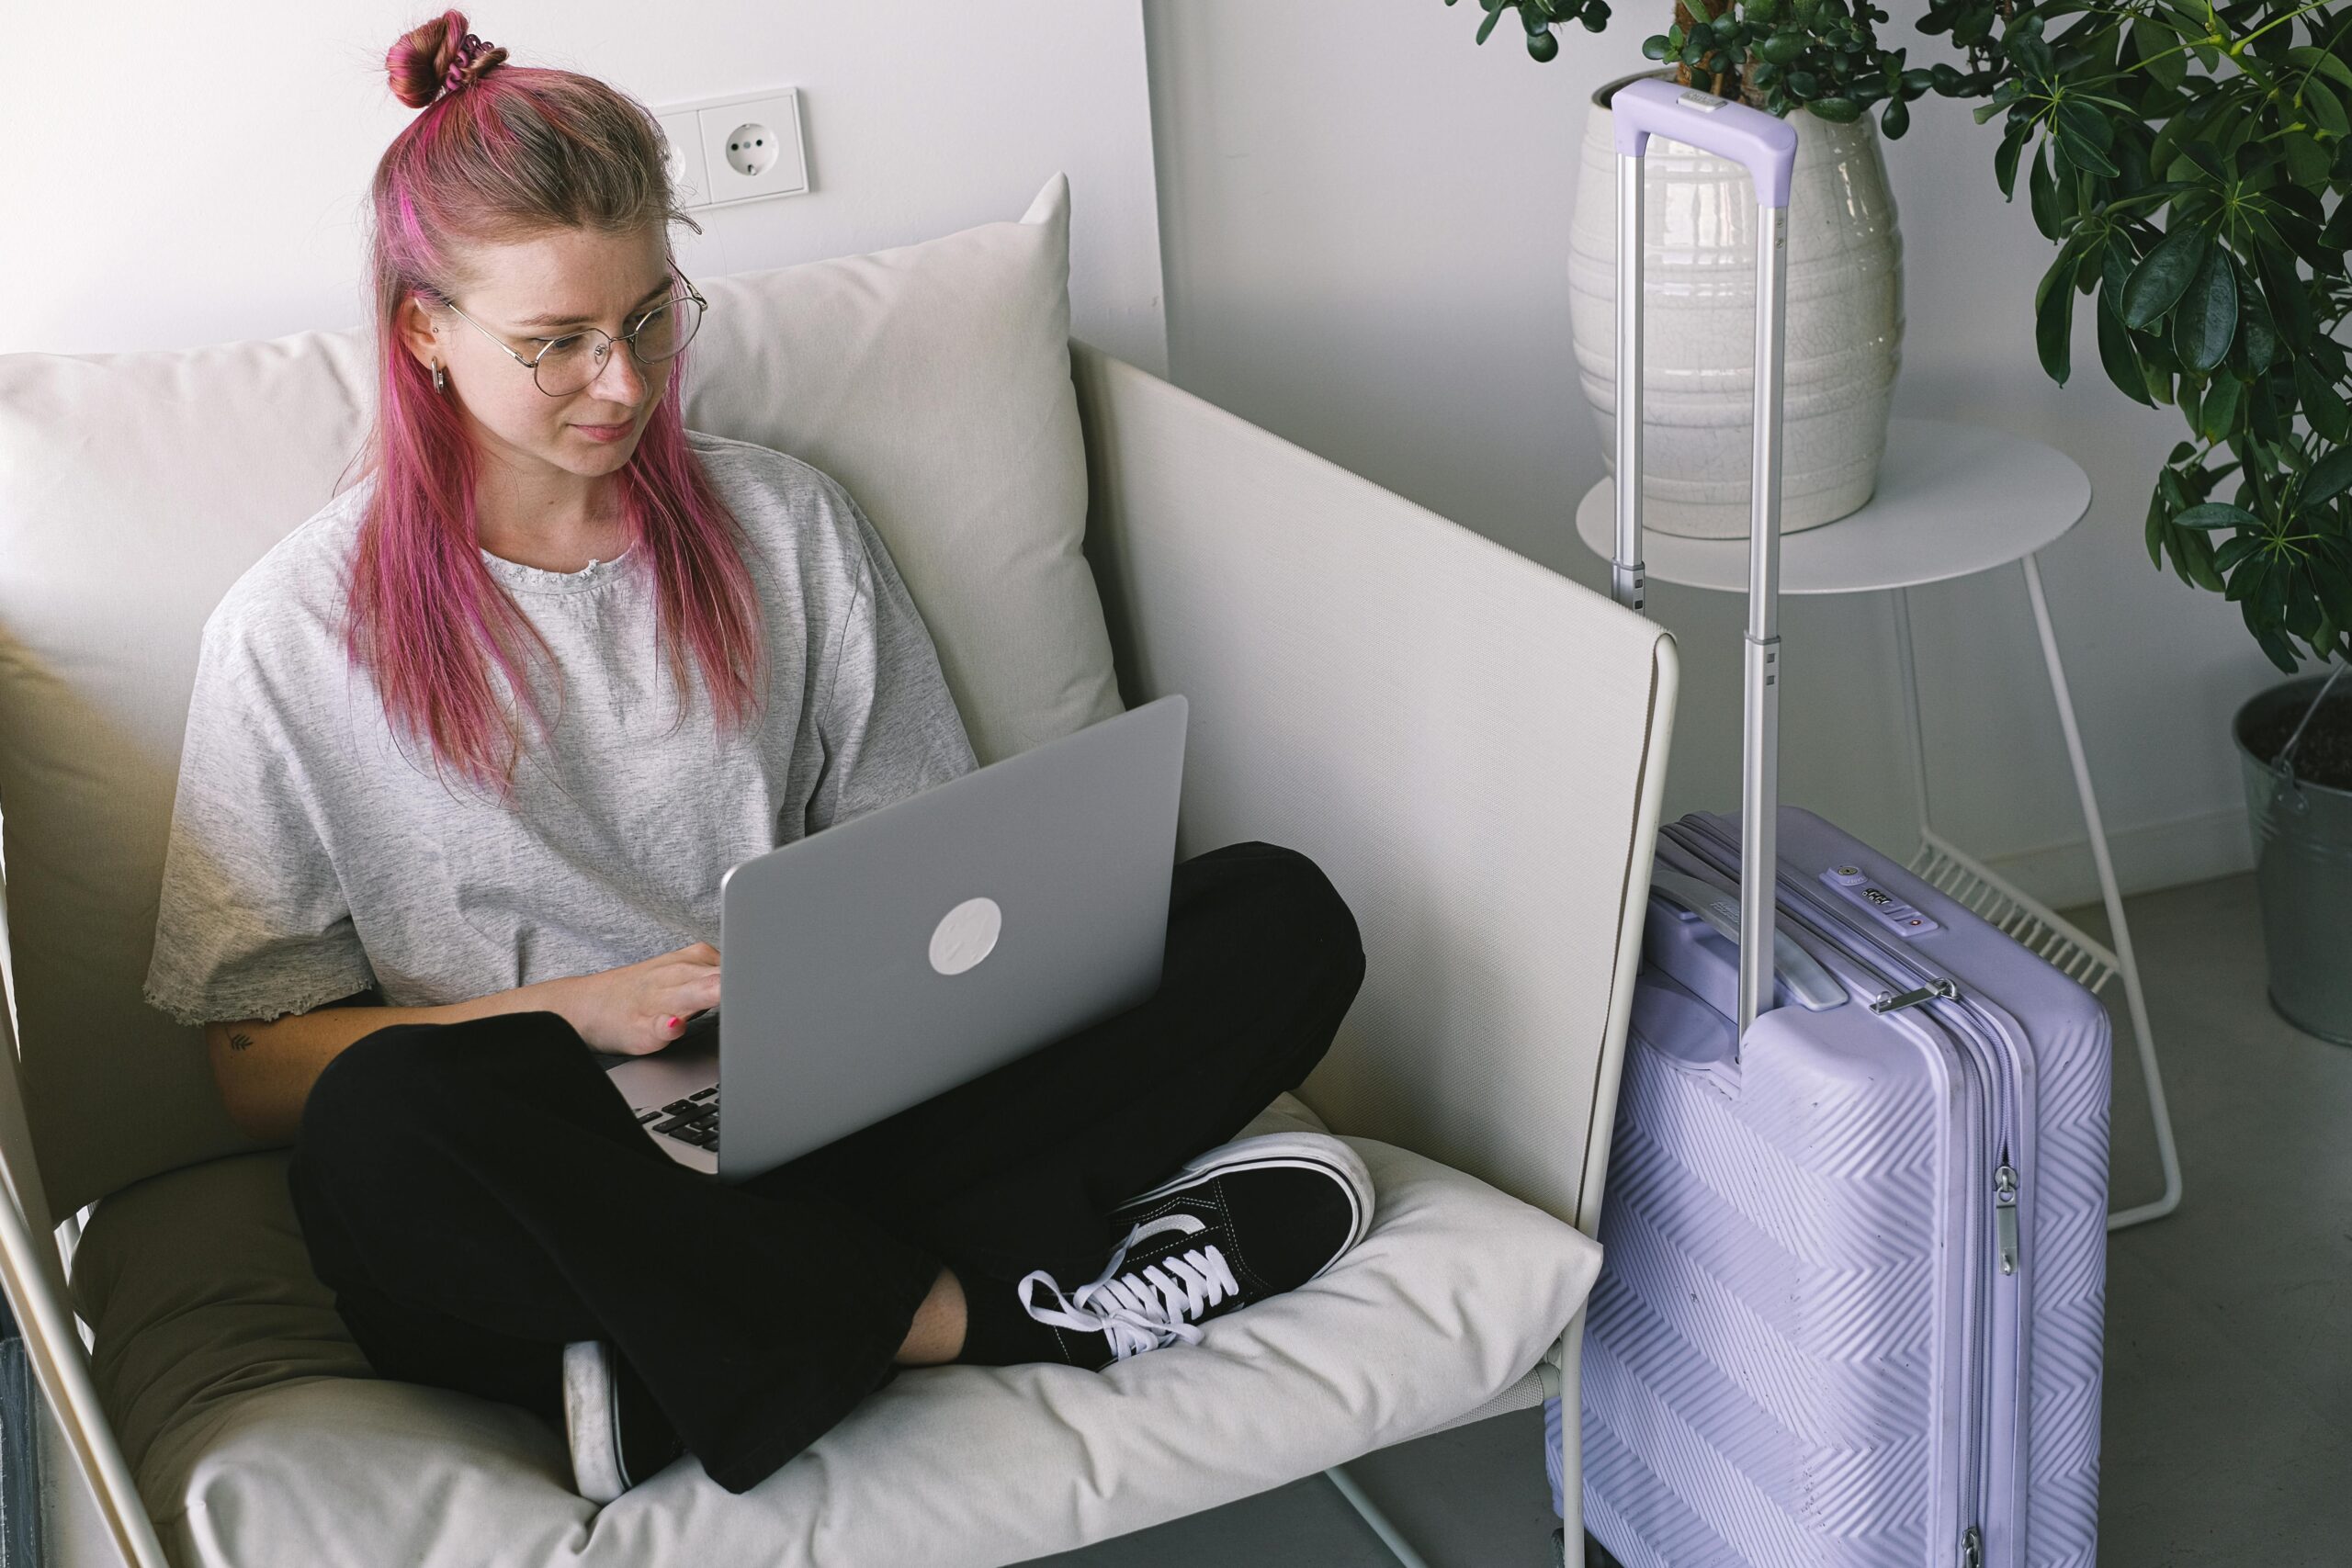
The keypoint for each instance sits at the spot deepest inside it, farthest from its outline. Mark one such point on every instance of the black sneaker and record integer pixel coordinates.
(619, 1435)
(1245, 1221)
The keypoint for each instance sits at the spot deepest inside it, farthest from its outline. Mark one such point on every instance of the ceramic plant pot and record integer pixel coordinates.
(1844, 322)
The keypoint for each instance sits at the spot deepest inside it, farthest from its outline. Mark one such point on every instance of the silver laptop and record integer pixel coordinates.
(889, 958)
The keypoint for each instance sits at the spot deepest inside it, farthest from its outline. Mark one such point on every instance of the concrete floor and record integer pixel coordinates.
(2228, 1421)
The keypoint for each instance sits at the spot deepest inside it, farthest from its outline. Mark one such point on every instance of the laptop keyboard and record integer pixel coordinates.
(694, 1120)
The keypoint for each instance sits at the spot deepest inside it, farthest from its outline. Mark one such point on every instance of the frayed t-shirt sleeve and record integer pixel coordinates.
(887, 723)
(252, 922)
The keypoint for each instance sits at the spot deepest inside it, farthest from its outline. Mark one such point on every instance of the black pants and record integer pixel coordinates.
(478, 1195)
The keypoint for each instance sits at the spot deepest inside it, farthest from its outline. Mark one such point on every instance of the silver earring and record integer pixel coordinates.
(437, 381)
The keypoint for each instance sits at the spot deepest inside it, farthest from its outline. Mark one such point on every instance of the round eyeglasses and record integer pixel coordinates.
(569, 364)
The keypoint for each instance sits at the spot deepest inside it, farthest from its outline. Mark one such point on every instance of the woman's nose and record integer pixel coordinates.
(620, 379)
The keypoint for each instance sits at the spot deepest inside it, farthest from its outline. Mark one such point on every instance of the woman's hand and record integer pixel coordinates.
(640, 1008)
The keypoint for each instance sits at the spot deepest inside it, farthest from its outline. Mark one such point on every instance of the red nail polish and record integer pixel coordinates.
(670, 1023)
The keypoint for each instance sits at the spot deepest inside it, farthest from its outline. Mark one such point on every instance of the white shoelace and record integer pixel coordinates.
(1149, 1307)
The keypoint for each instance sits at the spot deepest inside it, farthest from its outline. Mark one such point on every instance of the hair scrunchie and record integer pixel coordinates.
(474, 56)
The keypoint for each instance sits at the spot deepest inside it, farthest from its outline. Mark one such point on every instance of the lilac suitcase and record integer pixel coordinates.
(1854, 1222)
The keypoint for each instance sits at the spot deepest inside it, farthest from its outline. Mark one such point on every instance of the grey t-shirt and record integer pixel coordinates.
(311, 858)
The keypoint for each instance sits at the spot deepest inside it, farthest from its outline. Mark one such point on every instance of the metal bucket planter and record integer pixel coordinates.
(2302, 835)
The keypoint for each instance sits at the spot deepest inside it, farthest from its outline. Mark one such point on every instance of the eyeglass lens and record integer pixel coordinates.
(569, 364)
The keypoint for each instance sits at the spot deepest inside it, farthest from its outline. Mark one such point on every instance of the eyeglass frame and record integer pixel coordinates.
(532, 364)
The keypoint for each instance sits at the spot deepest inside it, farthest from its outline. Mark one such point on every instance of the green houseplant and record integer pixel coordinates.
(2189, 161)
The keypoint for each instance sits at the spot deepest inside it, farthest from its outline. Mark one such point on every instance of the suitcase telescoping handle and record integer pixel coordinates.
(1768, 147)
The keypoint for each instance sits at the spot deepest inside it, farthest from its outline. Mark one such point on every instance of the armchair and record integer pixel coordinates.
(1470, 745)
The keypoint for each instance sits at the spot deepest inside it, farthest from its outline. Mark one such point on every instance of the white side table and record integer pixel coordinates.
(1952, 499)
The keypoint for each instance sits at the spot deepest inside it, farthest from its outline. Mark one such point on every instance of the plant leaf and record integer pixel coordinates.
(2159, 55)
(2005, 161)
(2208, 317)
(2042, 187)
(2329, 478)
(2322, 404)
(2281, 652)
(2233, 549)
(2324, 62)
(2220, 410)
(2327, 109)
(2306, 159)
(2164, 275)
(2119, 359)
(2290, 308)
(2273, 591)
(2258, 337)
(2335, 589)
(2054, 317)
(2197, 549)
(2217, 514)
(2087, 137)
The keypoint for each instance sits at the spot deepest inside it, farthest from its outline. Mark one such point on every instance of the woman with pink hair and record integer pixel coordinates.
(408, 922)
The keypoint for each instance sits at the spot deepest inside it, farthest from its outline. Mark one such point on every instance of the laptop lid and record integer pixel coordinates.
(888, 958)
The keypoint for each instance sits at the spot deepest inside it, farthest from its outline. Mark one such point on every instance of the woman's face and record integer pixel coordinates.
(577, 277)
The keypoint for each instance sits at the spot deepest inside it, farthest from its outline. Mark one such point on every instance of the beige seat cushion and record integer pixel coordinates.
(259, 1435)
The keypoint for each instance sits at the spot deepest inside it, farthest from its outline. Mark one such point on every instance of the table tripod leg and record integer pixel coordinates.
(1913, 727)
(2127, 964)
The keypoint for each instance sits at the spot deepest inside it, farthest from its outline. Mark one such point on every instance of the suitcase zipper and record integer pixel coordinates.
(1982, 1038)
(1888, 1001)
(2004, 1214)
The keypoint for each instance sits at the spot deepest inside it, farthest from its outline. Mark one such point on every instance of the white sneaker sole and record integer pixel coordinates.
(591, 1415)
(1311, 1151)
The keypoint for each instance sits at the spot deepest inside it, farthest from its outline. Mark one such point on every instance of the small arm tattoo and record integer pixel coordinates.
(240, 1040)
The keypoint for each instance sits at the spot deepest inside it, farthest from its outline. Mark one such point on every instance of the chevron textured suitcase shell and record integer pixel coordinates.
(1803, 1348)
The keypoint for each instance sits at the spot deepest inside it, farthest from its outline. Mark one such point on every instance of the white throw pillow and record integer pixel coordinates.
(932, 380)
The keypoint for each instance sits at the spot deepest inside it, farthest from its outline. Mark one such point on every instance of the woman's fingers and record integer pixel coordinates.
(684, 964)
(687, 1000)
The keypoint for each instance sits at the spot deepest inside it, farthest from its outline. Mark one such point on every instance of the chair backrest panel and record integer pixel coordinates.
(134, 489)
(1472, 747)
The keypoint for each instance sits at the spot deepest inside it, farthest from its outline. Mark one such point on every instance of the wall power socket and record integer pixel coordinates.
(727, 151)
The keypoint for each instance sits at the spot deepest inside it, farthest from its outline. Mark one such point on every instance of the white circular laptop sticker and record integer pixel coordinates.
(965, 935)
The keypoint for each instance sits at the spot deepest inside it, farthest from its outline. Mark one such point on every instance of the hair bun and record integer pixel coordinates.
(437, 58)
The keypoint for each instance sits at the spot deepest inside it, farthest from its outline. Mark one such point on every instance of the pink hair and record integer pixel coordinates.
(505, 155)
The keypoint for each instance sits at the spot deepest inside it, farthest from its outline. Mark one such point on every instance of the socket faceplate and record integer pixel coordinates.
(751, 148)
(745, 147)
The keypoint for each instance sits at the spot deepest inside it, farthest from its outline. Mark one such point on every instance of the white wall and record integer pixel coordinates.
(191, 174)
(1364, 223)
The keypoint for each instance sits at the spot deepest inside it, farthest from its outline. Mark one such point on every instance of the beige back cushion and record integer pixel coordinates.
(932, 380)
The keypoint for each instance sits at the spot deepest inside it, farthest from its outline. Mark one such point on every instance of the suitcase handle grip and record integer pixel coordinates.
(1814, 988)
(1767, 145)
